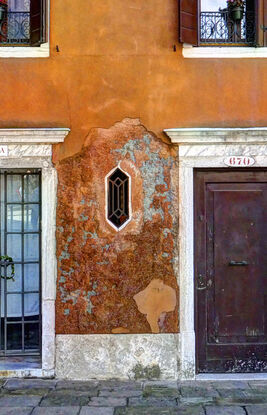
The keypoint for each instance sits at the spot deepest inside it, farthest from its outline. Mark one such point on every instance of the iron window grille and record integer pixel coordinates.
(22, 23)
(20, 240)
(118, 198)
(220, 28)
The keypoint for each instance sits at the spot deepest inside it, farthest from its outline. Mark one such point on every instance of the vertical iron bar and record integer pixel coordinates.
(5, 253)
(0, 266)
(22, 264)
(118, 197)
(40, 261)
(113, 196)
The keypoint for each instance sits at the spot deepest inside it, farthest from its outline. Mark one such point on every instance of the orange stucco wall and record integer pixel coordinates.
(116, 60)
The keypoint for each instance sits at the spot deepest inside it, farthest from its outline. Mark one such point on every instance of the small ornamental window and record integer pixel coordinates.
(118, 198)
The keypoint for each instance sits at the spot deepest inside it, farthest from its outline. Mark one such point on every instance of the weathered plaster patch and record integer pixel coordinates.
(155, 300)
(90, 251)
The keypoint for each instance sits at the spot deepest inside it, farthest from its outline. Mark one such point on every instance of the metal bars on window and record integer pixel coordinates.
(118, 198)
(220, 28)
(20, 241)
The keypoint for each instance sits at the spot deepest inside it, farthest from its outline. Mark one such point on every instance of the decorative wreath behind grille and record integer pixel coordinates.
(9, 262)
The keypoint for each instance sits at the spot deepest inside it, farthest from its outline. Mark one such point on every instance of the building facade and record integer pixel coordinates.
(133, 163)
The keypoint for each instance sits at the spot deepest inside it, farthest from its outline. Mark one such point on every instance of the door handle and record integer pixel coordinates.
(242, 263)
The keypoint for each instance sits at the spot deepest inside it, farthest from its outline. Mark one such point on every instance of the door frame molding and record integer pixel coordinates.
(202, 148)
(32, 148)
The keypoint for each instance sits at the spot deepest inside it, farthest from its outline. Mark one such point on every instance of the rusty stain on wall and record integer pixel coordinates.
(100, 271)
(155, 301)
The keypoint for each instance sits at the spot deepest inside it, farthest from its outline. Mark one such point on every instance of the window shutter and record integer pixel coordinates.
(36, 22)
(261, 22)
(189, 21)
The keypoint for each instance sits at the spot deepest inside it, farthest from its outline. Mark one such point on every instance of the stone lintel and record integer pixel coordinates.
(33, 135)
(210, 136)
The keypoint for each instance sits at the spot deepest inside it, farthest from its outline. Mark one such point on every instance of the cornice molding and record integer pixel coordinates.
(33, 135)
(209, 136)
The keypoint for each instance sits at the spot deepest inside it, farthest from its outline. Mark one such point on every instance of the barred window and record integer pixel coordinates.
(118, 198)
(224, 23)
(22, 22)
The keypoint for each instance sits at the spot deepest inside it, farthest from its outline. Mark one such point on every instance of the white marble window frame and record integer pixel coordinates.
(32, 148)
(203, 148)
(223, 52)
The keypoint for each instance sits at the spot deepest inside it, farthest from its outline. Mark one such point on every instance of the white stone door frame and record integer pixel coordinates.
(203, 148)
(26, 149)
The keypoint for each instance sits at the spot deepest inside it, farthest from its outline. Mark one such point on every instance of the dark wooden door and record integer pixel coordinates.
(231, 270)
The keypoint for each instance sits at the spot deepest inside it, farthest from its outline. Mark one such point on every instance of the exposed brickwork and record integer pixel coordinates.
(101, 270)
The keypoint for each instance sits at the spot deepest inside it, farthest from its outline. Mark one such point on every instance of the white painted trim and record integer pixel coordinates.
(41, 51)
(36, 155)
(106, 199)
(217, 135)
(200, 148)
(33, 135)
(225, 52)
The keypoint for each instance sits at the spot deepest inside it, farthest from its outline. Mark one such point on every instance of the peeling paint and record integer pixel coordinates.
(100, 271)
(155, 300)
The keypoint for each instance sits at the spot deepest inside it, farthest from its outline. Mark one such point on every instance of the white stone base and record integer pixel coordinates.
(27, 373)
(107, 356)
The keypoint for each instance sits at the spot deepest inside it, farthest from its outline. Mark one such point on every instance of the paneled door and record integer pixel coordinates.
(231, 270)
(20, 250)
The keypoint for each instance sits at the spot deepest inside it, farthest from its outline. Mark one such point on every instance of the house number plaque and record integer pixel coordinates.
(239, 161)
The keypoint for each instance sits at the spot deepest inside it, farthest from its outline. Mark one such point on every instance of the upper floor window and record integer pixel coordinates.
(22, 22)
(223, 22)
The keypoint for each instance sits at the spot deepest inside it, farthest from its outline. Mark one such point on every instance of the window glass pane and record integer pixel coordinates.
(14, 305)
(2, 334)
(31, 247)
(14, 336)
(31, 277)
(31, 305)
(16, 284)
(14, 218)
(31, 218)
(2, 299)
(14, 247)
(14, 188)
(31, 339)
(31, 188)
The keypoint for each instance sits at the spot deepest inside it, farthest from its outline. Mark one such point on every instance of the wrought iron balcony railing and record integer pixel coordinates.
(219, 28)
(15, 28)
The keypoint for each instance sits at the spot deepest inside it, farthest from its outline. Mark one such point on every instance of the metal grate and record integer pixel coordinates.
(118, 198)
(219, 28)
(20, 296)
(14, 27)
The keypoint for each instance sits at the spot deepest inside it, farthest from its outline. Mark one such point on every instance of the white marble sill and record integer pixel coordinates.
(225, 52)
(25, 51)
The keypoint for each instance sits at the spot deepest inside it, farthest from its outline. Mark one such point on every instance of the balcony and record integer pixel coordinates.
(14, 28)
(218, 28)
